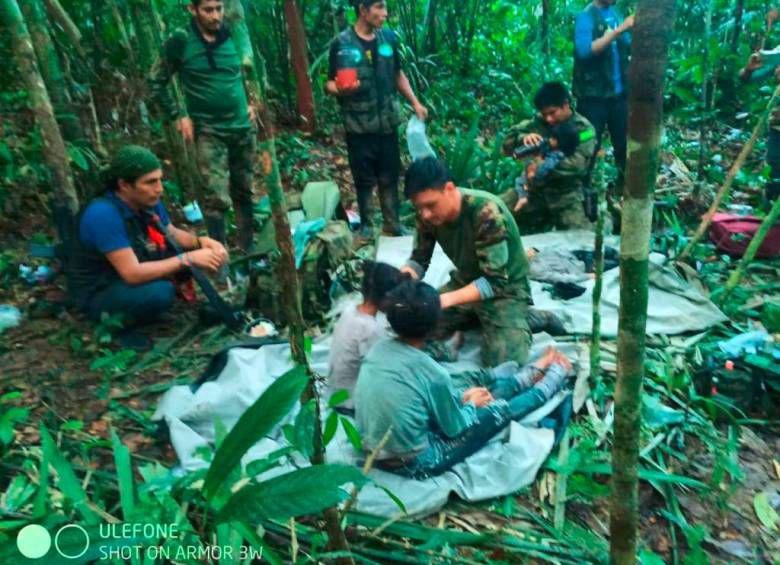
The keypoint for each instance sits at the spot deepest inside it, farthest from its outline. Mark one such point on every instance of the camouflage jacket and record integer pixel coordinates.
(483, 243)
(569, 175)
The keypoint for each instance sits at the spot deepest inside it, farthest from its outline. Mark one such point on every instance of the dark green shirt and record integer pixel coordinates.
(213, 86)
(483, 243)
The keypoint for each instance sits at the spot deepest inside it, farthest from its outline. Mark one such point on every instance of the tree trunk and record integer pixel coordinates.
(58, 14)
(300, 63)
(652, 33)
(51, 70)
(706, 85)
(291, 295)
(430, 27)
(739, 9)
(598, 264)
(546, 27)
(54, 153)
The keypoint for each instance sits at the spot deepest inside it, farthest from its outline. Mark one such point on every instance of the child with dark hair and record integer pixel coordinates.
(562, 143)
(434, 423)
(358, 328)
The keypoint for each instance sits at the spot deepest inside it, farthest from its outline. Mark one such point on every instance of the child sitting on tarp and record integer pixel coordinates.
(404, 393)
(562, 143)
(359, 328)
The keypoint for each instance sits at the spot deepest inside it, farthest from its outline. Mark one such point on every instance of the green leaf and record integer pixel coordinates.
(647, 557)
(768, 515)
(352, 434)
(9, 418)
(304, 491)
(303, 436)
(273, 405)
(68, 482)
(77, 157)
(124, 474)
(331, 425)
(338, 397)
(398, 502)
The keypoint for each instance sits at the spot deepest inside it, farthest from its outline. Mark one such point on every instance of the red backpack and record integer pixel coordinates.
(732, 234)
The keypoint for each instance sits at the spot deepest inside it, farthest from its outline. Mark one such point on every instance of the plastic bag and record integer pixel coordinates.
(417, 141)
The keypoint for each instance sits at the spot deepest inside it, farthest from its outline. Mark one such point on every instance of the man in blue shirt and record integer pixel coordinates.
(122, 263)
(602, 43)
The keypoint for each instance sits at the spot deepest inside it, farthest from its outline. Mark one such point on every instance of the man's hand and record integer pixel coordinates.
(204, 258)
(532, 139)
(409, 271)
(520, 203)
(186, 128)
(421, 111)
(478, 396)
(627, 24)
(445, 300)
(754, 62)
(216, 246)
(771, 17)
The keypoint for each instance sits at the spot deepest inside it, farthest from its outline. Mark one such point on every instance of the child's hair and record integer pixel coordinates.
(413, 309)
(378, 280)
(567, 136)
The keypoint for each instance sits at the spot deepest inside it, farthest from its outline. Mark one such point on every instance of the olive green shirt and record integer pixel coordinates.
(214, 89)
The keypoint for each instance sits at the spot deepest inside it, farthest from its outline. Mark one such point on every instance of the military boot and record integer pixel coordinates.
(245, 225)
(215, 225)
(544, 320)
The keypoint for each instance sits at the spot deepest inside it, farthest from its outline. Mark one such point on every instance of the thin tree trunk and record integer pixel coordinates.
(739, 9)
(752, 249)
(300, 63)
(652, 34)
(705, 88)
(598, 264)
(54, 153)
(546, 27)
(732, 174)
(430, 27)
(51, 70)
(58, 13)
(291, 294)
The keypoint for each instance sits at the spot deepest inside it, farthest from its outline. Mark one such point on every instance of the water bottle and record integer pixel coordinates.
(417, 141)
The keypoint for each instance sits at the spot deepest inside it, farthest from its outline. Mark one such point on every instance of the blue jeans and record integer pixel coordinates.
(443, 453)
(610, 114)
(139, 304)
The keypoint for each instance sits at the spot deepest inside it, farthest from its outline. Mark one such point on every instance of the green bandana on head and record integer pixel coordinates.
(133, 161)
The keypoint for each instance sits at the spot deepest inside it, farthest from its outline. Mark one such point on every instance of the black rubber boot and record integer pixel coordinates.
(245, 225)
(215, 225)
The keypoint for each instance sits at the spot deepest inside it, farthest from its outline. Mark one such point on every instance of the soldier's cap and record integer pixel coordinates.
(131, 162)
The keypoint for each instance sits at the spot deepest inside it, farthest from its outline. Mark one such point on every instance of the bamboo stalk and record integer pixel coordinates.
(752, 249)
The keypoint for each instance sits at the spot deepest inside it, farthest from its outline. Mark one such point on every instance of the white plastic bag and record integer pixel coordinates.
(417, 141)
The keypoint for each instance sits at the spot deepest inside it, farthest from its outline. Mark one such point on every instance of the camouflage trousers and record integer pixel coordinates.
(502, 323)
(225, 167)
(565, 211)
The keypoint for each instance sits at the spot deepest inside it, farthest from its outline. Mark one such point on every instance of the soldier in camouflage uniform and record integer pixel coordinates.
(218, 116)
(557, 202)
(371, 110)
(475, 229)
(754, 70)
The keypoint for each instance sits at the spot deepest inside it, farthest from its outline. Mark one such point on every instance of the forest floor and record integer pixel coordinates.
(709, 472)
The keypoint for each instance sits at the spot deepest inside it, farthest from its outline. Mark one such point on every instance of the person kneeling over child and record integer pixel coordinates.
(359, 328)
(431, 426)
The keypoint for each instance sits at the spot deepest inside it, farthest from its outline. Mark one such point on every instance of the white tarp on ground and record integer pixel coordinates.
(674, 306)
(505, 465)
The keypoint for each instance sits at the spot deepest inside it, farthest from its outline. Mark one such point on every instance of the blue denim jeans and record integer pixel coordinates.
(139, 304)
(443, 453)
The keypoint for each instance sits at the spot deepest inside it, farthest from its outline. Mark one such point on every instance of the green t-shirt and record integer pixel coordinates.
(213, 86)
(483, 242)
(402, 387)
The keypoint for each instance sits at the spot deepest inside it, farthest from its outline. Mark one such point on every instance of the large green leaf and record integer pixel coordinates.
(304, 491)
(273, 405)
(124, 474)
(68, 482)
